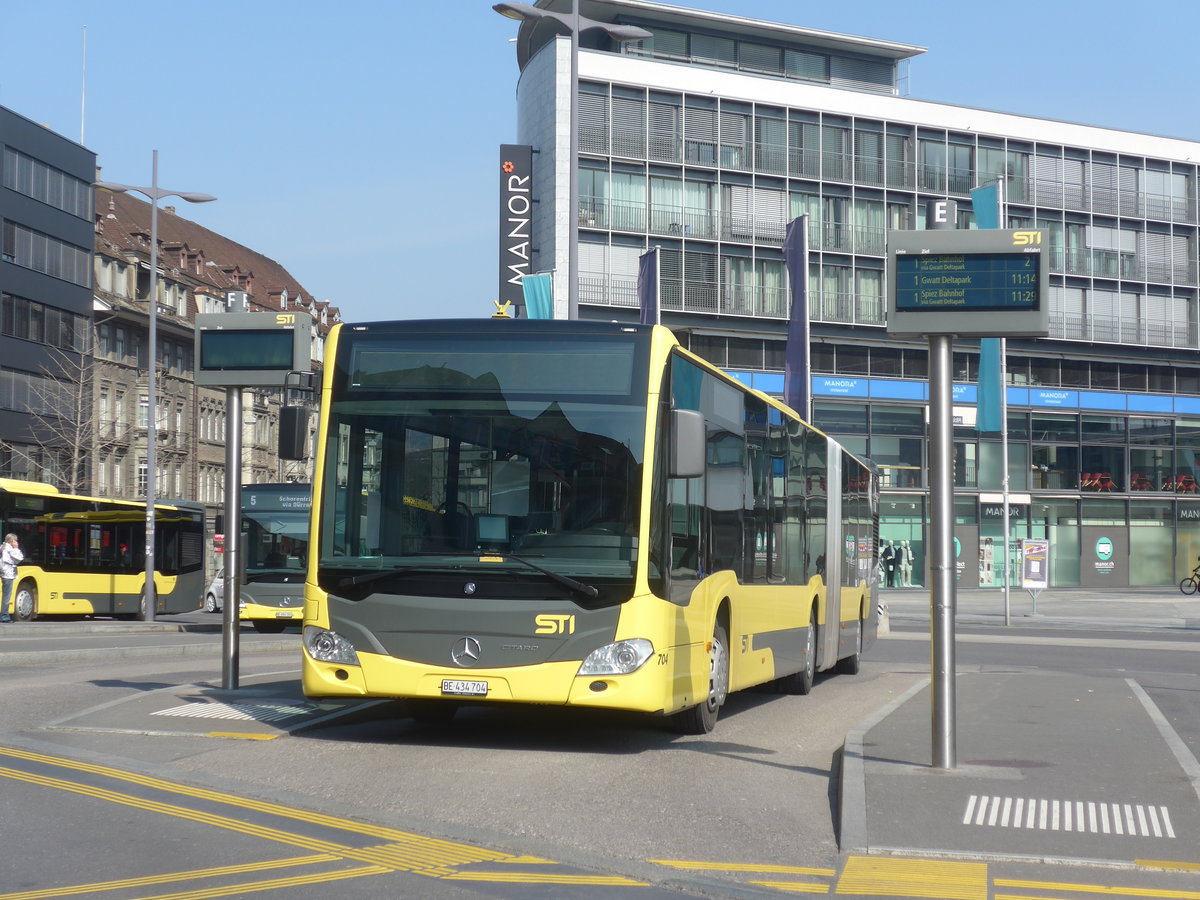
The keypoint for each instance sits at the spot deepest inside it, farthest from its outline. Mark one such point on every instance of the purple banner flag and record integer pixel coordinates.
(647, 286)
(797, 380)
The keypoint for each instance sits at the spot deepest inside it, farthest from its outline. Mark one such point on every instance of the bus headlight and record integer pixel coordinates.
(620, 658)
(329, 646)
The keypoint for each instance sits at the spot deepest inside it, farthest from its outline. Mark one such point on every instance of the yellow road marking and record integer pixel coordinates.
(404, 851)
(1168, 864)
(1164, 893)
(741, 867)
(893, 877)
(242, 736)
(466, 852)
(795, 887)
(241, 890)
(545, 878)
(218, 872)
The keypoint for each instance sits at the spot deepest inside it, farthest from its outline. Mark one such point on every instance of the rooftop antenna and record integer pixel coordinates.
(83, 89)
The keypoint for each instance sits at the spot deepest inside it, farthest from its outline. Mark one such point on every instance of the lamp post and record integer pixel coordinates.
(574, 24)
(154, 193)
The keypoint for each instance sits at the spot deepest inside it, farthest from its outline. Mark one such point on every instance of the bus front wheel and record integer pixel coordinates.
(25, 602)
(702, 718)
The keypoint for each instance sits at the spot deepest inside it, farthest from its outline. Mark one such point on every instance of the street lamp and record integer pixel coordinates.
(154, 193)
(573, 24)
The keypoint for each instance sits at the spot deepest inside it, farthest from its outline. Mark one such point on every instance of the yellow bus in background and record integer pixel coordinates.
(574, 513)
(85, 556)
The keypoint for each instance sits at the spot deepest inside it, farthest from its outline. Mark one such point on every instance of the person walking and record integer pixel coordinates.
(10, 555)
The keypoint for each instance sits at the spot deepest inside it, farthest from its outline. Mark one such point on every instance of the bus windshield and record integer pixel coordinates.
(463, 451)
(275, 521)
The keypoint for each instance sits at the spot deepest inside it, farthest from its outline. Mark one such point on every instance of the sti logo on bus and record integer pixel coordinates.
(548, 624)
(1025, 238)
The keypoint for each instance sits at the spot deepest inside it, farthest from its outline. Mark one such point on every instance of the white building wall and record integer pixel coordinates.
(543, 122)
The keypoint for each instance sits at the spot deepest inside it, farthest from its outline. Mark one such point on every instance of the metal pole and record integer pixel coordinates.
(943, 600)
(151, 592)
(573, 162)
(233, 533)
(1002, 221)
(1004, 482)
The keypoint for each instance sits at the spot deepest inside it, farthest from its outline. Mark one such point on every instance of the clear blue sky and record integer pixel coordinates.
(356, 142)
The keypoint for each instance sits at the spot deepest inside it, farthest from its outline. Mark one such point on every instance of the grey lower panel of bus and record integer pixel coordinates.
(786, 646)
(432, 630)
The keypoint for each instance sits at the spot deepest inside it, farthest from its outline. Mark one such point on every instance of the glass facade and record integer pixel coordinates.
(1104, 421)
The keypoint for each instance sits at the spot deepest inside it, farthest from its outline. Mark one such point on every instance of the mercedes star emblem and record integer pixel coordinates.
(465, 652)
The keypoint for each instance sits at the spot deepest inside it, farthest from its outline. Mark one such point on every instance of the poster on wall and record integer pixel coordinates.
(1104, 556)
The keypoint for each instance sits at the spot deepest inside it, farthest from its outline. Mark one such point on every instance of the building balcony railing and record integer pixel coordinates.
(683, 221)
(1117, 265)
(1111, 330)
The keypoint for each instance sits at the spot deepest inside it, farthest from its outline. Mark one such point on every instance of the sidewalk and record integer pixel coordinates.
(1133, 607)
(1050, 765)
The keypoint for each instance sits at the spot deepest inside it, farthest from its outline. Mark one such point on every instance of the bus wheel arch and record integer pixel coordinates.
(702, 718)
(25, 601)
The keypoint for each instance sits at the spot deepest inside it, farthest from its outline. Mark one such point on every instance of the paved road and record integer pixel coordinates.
(510, 803)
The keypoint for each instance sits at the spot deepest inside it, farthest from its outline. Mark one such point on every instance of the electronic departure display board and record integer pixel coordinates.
(978, 283)
(245, 349)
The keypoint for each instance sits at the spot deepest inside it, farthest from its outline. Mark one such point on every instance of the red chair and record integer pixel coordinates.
(1105, 482)
(1185, 484)
(1088, 481)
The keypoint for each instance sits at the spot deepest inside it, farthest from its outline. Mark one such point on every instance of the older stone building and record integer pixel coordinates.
(199, 271)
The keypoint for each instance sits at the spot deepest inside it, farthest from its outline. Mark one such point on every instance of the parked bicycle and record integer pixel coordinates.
(1190, 584)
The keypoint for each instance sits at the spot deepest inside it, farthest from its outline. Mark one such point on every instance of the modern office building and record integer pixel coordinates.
(46, 234)
(707, 139)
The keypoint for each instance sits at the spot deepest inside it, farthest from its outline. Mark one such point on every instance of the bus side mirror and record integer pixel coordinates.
(293, 432)
(687, 443)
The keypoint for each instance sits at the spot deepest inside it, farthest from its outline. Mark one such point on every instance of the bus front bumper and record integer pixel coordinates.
(554, 683)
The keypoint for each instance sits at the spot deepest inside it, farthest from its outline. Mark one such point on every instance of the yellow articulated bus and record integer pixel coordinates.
(86, 556)
(275, 521)
(574, 513)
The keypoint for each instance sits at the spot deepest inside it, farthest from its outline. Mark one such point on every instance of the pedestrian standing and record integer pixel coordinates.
(10, 555)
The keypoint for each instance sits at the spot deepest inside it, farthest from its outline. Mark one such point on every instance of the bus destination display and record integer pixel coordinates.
(967, 281)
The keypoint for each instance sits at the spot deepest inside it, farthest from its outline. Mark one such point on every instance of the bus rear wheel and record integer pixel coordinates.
(802, 682)
(25, 602)
(850, 665)
(702, 718)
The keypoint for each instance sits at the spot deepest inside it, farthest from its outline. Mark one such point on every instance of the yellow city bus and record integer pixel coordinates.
(85, 556)
(574, 513)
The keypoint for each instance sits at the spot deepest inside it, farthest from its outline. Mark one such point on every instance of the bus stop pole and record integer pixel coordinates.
(233, 531)
(943, 600)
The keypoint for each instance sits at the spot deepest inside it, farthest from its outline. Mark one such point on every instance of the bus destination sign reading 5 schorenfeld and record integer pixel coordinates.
(979, 283)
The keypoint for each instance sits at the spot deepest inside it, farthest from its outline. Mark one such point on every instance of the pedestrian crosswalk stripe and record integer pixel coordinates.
(1090, 816)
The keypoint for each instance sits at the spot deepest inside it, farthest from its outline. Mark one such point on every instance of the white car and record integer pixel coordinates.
(214, 594)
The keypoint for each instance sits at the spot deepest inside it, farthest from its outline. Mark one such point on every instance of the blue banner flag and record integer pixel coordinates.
(985, 202)
(797, 379)
(539, 296)
(647, 286)
(988, 415)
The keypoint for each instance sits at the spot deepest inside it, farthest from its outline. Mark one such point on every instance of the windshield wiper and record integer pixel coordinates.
(565, 580)
(376, 575)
